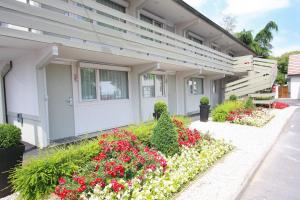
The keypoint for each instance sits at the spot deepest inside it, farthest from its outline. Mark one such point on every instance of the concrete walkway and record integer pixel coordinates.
(226, 179)
(279, 175)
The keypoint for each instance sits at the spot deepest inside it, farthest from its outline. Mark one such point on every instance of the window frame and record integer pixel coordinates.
(97, 68)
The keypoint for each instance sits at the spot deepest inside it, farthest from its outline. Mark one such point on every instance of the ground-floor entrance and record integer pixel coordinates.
(60, 101)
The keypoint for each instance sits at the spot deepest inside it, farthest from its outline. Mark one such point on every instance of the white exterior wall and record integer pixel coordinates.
(22, 97)
(295, 87)
(100, 115)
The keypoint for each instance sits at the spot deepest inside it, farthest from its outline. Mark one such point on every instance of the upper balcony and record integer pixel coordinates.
(93, 26)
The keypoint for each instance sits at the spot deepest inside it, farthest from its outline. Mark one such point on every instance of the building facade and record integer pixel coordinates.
(72, 67)
(294, 76)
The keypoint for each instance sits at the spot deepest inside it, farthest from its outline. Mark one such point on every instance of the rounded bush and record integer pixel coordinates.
(165, 137)
(10, 135)
(204, 100)
(233, 97)
(160, 107)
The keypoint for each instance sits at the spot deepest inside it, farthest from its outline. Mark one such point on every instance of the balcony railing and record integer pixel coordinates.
(91, 25)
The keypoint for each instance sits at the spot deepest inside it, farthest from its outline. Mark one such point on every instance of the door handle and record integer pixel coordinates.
(70, 101)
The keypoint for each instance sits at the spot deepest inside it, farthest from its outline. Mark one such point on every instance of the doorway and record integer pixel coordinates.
(60, 101)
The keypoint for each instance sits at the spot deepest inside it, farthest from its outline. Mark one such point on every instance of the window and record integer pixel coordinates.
(193, 37)
(113, 84)
(231, 54)
(88, 84)
(153, 85)
(214, 87)
(160, 79)
(195, 86)
(148, 85)
(113, 5)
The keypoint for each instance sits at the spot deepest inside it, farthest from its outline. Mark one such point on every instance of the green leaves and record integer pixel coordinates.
(37, 178)
(221, 112)
(164, 136)
(261, 43)
(10, 135)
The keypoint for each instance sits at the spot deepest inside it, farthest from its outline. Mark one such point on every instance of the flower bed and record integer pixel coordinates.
(121, 158)
(125, 168)
(253, 117)
(280, 105)
(117, 165)
(181, 169)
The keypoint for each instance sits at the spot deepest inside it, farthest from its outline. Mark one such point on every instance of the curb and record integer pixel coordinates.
(254, 170)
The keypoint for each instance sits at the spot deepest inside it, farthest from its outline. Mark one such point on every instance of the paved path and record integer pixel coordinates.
(229, 176)
(279, 175)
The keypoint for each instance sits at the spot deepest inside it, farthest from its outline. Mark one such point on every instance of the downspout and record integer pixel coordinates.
(4, 90)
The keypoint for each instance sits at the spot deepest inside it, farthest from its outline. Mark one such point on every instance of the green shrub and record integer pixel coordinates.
(10, 135)
(160, 107)
(204, 100)
(37, 178)
(164, 136)
(143, 131)
(221, 112)
(249, 103)
(233, 97)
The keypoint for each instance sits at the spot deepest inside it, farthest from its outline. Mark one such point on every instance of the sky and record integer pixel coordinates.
(255, 14)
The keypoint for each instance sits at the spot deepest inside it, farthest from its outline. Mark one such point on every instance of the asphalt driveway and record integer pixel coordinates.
(279, 175)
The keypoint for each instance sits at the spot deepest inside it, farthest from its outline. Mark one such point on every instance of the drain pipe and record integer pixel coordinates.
(4, 90)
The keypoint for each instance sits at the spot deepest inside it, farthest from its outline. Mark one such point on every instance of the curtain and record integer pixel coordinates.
(113, 84)
(88, 83)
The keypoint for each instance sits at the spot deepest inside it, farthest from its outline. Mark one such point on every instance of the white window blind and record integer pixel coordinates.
(88, 84)
(113, 84)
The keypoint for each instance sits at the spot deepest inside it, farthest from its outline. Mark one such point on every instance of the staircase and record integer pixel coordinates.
(260, 76)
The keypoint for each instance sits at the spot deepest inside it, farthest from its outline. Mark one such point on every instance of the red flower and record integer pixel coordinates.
(81, 189)
(116, 186)
(62, 181)
(101, 156)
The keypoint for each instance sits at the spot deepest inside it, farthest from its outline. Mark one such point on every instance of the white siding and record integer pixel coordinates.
(295, 87)
(100, 115)
(22, 97)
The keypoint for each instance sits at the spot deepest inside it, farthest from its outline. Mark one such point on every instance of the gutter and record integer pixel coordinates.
(4, 90)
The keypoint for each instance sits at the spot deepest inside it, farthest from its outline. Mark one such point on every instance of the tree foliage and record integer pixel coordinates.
(261, 43)
(282, 65)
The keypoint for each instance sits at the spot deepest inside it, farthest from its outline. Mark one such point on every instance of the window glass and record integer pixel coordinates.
(113, 84)
(113, 5)
(214, 86)
(195, 86)
(88, 83)
(148, 85)
(195, 39)
(161, 85)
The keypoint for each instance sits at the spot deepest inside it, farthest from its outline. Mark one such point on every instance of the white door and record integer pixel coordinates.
(60, 102)
(215, 92)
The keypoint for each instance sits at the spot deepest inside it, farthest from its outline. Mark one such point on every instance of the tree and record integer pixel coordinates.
(261, 43)
(229, 23)
(282, 66)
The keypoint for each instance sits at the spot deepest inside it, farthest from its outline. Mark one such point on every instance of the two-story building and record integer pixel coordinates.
(72, 67)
